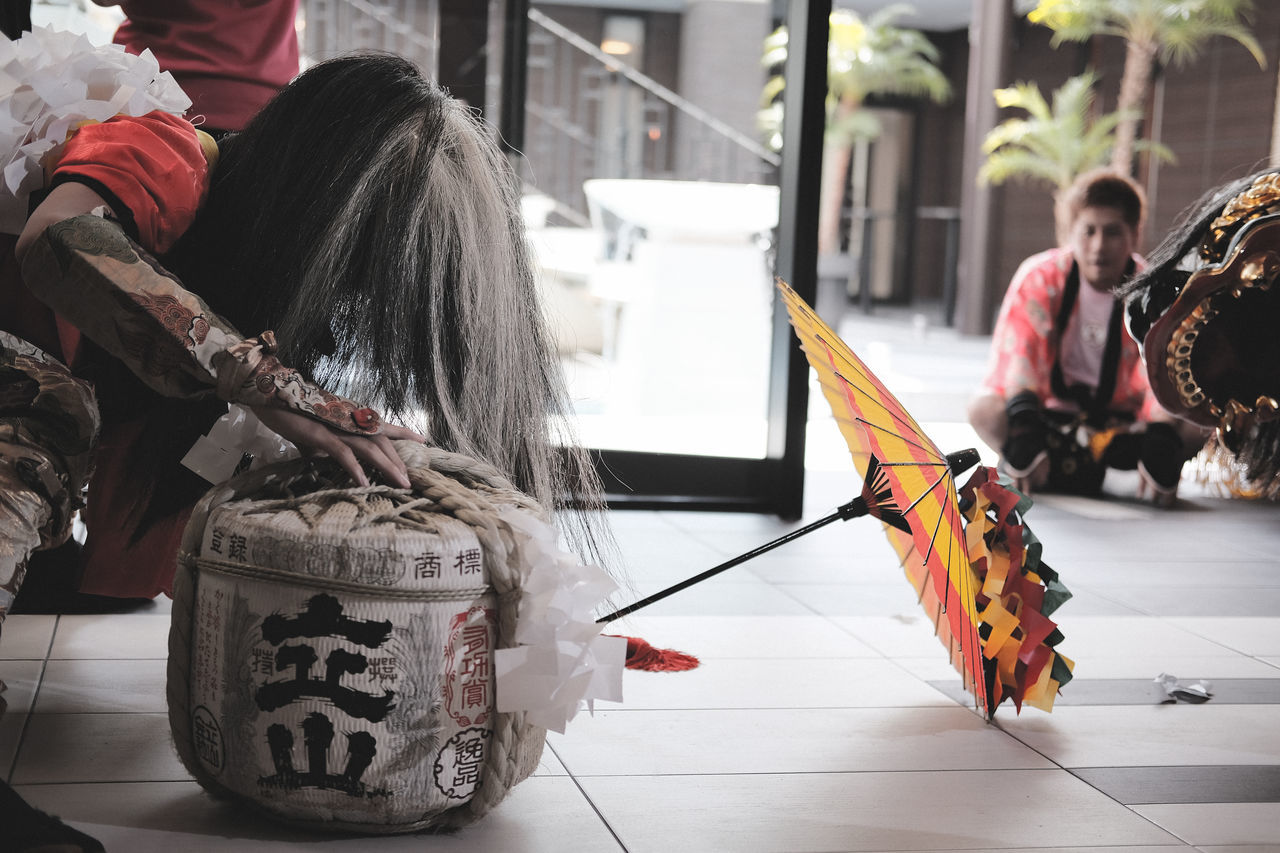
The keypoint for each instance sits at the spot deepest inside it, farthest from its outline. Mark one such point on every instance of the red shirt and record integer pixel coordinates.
(229, 56)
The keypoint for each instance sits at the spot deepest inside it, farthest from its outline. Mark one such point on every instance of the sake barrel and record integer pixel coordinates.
(331, 647)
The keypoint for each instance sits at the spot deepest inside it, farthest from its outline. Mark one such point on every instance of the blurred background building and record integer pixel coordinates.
(665, 187)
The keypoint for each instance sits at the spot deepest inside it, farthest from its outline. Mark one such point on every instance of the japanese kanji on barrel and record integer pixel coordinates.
(331, 651)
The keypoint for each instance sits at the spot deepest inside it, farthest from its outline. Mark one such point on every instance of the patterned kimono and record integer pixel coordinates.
(1024, 345)
(154, 172)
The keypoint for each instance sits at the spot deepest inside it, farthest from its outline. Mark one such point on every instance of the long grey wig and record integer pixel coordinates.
(372, 222)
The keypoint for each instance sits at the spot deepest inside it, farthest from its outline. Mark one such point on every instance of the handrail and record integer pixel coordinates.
(654, 87)
(574, 132)
(398, 27)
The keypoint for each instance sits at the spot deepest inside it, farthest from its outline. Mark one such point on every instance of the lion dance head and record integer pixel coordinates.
(1206, 313)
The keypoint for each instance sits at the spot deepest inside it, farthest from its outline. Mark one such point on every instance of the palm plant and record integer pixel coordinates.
(1053, 144)
(1170, 32)
(864, 58)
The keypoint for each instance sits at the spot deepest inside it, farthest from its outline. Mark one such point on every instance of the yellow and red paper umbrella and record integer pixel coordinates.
(881, 433)
(973, 562)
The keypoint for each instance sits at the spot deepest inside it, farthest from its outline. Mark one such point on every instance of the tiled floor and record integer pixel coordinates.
(822, 718)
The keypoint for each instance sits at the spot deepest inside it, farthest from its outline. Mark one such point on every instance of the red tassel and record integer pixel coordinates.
(642, 655)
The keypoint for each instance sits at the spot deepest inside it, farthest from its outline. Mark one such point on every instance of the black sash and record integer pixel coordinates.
(1095, 404)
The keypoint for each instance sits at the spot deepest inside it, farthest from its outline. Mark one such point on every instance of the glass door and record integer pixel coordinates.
(660, 217)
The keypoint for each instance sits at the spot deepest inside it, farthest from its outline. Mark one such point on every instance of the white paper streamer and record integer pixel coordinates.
(218, 455)
(1175, 691)
(562, 663)
(50, 81)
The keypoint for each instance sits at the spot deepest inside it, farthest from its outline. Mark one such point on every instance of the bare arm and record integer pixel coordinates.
(63, 202)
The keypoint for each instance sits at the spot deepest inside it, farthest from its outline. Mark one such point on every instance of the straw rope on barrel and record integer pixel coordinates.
(305, 499)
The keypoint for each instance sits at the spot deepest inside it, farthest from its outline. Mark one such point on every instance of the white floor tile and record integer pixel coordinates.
(864, 811)
(1095, 509)
(896, 599)
(1257, 635)
(903, 635)
(103, 687)
(1149, 664)
(1151, 735)
(1170, 574)
(1144, 848)
(26, 636)
(12, 724)
(1219, 823)
(933, 666)
(21, 678)
(794, 683)
(550, 764)
(117, 636)
(859, 541)
(540, 815)
(63, 748)
(1202, 601)
(721, 597)
(663, 559)
(635, 743)
(1106, 637)
(754, 637)
(1080, 540)
(1087, 602)
(833, 568)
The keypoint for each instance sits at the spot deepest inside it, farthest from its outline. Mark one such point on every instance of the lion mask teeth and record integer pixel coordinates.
(1257, 272)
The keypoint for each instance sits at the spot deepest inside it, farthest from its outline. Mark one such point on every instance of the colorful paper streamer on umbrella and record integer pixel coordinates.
(933, 553)
(1018, 592)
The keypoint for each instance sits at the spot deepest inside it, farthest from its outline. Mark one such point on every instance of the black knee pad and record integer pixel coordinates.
(1161, 454)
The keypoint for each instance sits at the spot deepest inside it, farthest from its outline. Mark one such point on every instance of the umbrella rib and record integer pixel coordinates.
(925, 494)
(864, 374)
(966, 593)
(929, 551)
(946, 595)
(851, 360)
(904, 439)
(900, 415)
(913, 465)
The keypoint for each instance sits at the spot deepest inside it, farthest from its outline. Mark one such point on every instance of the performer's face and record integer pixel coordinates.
(1102, 242)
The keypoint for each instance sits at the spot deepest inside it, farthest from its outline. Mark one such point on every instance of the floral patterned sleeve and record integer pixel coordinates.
(114, 292)
(1021, 356)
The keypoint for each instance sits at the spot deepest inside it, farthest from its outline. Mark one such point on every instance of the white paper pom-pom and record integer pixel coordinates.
(50, 81)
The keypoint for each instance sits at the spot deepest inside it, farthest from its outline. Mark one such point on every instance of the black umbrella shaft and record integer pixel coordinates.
(853, 509)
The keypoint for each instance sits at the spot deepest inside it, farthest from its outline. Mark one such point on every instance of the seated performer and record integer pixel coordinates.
(1065, 395)
(368, 221)
(363, 216)
(1205, 312)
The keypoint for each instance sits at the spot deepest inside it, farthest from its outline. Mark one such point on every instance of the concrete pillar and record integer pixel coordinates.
(978, 294)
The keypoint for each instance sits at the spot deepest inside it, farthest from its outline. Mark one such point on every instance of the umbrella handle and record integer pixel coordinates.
(871, 502)
(853, 509)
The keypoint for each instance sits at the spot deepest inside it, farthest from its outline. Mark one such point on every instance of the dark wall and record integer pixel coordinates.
(939, 159)
(1216, 114)
(1218, 119)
